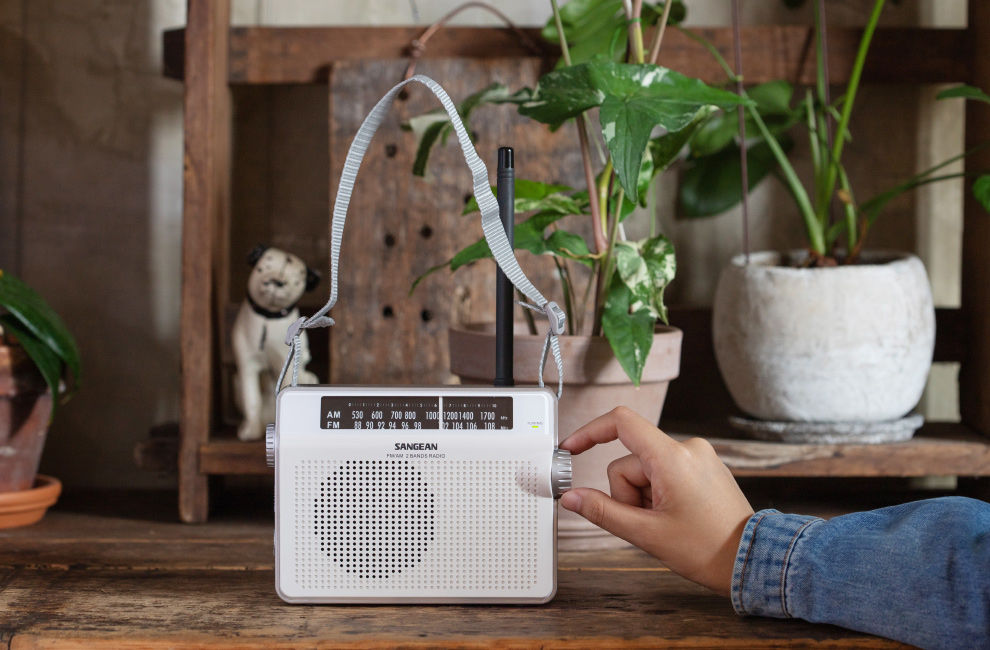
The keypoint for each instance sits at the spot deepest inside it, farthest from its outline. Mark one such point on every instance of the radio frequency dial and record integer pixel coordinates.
(270, 444)
(560, 472)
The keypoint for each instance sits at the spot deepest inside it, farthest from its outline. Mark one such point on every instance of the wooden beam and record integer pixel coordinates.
(939, 448)
(206, 177)
(287, 55)
(974, 375)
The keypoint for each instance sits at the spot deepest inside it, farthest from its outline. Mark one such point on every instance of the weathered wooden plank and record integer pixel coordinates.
(974, 375)
(270, 55)
(602, 609)
(206, 180)
(938, 449)
(400, 225)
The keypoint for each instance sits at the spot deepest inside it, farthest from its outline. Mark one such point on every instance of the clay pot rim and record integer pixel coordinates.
(769, 262)
(44, 494)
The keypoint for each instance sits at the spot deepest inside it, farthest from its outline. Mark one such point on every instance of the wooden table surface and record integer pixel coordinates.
(115, 571)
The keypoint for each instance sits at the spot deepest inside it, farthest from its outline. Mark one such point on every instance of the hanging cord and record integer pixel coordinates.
(418, 45)
(491, 224)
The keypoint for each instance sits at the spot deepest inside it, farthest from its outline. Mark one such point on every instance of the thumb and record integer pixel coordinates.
(621, 519)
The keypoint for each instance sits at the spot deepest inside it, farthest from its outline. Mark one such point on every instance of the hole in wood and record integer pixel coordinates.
(387, 311)
(467, 198)
(391, 150)
(389, 240)
(426, 315)
(426, 232)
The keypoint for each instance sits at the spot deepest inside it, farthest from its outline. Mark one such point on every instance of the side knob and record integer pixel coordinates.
(560, 472)
(270, 444)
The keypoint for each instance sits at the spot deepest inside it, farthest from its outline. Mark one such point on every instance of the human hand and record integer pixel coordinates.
(675, 500)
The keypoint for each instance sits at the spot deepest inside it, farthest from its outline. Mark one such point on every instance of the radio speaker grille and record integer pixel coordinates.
(424, 525)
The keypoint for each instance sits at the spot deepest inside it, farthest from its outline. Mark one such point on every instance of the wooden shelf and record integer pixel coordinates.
(940, 448)
(305, 55)
(211, 56)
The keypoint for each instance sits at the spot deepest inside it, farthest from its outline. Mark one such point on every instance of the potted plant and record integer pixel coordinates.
(619, 349)
(36, 354)
(834, 342)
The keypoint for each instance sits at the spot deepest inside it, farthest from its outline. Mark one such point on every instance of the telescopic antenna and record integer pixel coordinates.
(505, 191)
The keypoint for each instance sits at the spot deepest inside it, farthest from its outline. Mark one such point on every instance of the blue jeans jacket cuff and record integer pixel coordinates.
(759, 576)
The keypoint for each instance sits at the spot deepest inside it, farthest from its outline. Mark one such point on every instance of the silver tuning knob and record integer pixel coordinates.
(270, 444)
(560, 472)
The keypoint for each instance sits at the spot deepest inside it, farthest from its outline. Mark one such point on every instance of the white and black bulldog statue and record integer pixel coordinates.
(278, 280)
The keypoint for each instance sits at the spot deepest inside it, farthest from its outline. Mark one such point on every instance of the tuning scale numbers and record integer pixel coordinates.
(477, 412)
(413, 413)
(380, 413)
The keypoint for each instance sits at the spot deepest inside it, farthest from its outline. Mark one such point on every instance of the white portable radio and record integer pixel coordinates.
(386, 494)
(420, 495)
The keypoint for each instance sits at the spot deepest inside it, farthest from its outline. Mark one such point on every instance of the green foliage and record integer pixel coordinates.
(648, 115)
(40, 331)
(633, 99)
(599, 27)
(981, 191)
(965, 92)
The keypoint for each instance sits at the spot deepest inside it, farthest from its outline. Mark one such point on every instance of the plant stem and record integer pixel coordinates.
(604, 189)
(658, 36)
(741, 114)
(589, 174)
(847, 104)
(816, 238)
(605, 272)
(565, 284)
(636, 32)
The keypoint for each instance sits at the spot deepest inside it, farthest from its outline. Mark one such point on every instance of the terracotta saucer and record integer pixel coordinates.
(25, 507)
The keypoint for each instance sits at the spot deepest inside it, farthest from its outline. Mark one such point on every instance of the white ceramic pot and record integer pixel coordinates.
(594, 383)
(837, 344)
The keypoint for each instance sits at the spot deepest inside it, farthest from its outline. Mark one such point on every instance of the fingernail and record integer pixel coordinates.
(571, 500)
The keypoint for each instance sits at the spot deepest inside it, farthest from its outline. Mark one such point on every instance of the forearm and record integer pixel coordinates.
(919, 572)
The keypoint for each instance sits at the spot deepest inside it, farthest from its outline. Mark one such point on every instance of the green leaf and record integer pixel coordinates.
(661, 265)
(966, 92)
(638, 98)
(47, 361)
(646, 268)
(571, 246)
(562, 94)
(981, 191)
(534, 196)
(772, 97)
(651, 13)
(435, 125)
(36, 316)
(713, 184)
(665, 149)
(630, 335)
(591, 27)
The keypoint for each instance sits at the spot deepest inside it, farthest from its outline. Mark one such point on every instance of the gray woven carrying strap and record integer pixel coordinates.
(491, 224)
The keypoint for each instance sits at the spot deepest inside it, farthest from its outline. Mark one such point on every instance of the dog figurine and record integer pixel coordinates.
(278, 280)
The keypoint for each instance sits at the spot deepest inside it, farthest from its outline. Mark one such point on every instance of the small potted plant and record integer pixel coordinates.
(618, 349)
(834, 342)
(38, 358)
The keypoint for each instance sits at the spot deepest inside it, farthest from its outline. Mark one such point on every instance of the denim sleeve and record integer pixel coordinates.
(918, 572)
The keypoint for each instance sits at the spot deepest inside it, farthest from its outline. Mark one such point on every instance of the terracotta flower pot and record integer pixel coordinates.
(594, 383)
(25, 409)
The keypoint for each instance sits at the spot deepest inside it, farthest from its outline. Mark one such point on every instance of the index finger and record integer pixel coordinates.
(621, 423)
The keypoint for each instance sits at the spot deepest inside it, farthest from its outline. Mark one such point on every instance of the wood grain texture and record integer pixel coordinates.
(279, 55)
(974, 375)
(206, 178)
(400, 225)
(99, 577)
(940, 448)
